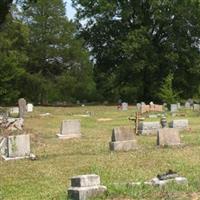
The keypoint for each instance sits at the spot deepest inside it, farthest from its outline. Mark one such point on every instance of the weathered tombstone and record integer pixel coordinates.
(15, 147)
(173, 107)
(123, 139)
(22, 107)
(187, 105)
(14, 110)
(124, 106)
(29, 107)
(179, 105)
(138, 105)
(179, 123)
(85, 187)
(196, 107)
(168, 137)
(70, 129)
(148, 128)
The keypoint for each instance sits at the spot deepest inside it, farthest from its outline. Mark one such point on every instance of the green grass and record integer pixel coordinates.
(58, 160)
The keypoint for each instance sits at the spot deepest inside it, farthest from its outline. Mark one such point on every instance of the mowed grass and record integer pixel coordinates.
(49, 176)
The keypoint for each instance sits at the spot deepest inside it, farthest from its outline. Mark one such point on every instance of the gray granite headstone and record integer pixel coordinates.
(70, 129)
(168, 137)
(173, 107)
(148, 128)
(179, 123)
(124, 106)
(15, 147)
(22, 107)
(187, 105)
(123, 139)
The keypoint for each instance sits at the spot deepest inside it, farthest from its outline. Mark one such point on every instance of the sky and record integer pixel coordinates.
(69, 9)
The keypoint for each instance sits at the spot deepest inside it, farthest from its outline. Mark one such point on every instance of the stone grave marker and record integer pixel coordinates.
(138, 105)
(123, 139)
(124, 106)
(187, 105)
(70, 129)
(179, 123)
(168, 137)
(29, 107)
(14, 110)
(85, 187)
(173, 107)
(196, 107)
(15, 147)
(22, 107)
(147, 128)
(179, 105)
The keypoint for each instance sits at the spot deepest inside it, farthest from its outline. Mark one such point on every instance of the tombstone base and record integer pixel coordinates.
(13, 158)
(68, 136)
(123, 145)
(84, 193)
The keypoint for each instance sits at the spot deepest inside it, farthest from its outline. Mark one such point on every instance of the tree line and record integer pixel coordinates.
(145, 50)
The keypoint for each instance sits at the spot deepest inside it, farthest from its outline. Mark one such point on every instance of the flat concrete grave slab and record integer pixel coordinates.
(147, 128)
(85, 187)
(179, 123)
(16, 147)
(168, 137)
(123, 139)
(70, 129)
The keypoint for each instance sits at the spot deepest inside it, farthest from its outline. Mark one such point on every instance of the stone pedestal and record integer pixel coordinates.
(168, 137)
(70, 129)
(123, 139)
(85, 187)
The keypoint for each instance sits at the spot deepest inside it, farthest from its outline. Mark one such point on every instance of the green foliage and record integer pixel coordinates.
(166, 93)
(138, 43)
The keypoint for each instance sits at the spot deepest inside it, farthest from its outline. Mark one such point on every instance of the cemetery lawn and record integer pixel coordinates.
(49, 176)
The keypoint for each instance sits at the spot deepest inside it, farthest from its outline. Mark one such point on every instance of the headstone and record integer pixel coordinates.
(123, 139)
(16, 147)
(196, 107)
(168, 137)
(148, 128)
(85, 187)
(29, 107)
(14, 110)
(173, 107)
(138, 105)
(124, 106)
(187, 105)
(22, 107)
(70, 129)
(179, 123)
(179, 105)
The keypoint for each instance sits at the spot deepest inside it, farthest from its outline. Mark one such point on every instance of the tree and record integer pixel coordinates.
(56, 57)
(13, 57)
(166, 93)
(135, 44)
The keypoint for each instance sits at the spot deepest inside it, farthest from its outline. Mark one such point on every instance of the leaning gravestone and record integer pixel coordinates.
(85, 187)
(123, 139)
(168, 137)
(15, 147)
(179, 123)
(22, 107)
(173, 107)
(70, 129)
(124, 106)
(147, 128)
